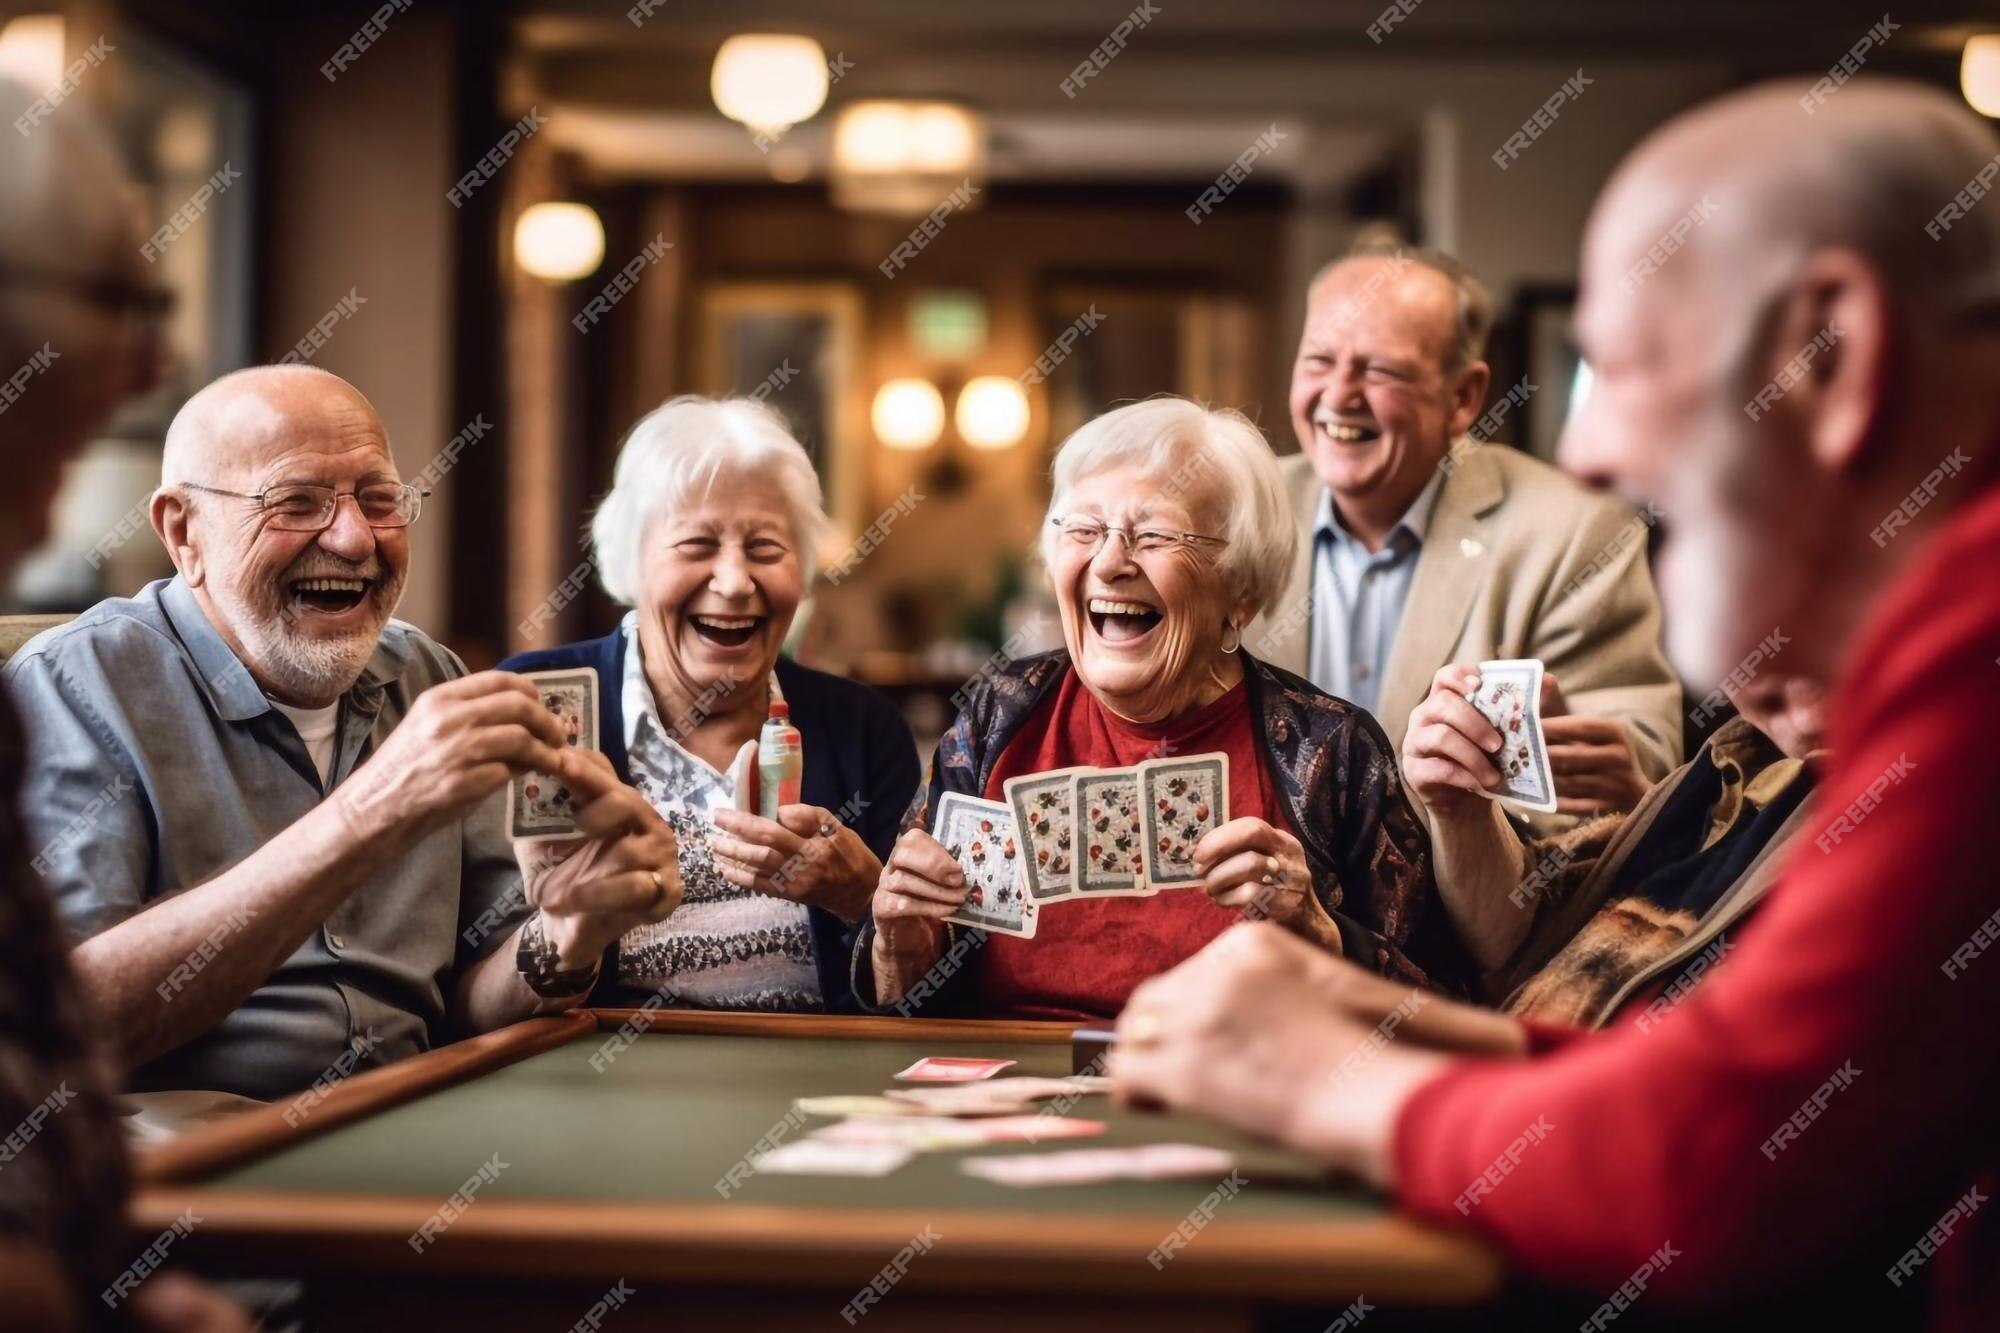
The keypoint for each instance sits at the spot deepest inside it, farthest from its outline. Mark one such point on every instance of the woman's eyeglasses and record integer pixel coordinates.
(1088, 534)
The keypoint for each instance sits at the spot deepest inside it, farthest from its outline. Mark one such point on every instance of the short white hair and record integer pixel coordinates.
(1195, 452)
(676, 453)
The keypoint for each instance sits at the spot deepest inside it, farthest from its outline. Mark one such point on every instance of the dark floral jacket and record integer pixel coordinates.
(1333, 766)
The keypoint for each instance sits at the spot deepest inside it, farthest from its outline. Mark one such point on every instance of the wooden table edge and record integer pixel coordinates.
(254, 1133)
(856, 1027)
(711, 1244)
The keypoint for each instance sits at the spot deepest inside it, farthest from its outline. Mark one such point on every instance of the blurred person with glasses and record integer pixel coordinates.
(271, 816)
(1167, 534)
(76, 339)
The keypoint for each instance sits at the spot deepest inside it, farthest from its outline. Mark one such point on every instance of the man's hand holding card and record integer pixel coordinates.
(1479, 733)
(595, 857)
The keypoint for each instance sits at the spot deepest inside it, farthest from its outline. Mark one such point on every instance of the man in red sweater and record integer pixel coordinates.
(1807, 385)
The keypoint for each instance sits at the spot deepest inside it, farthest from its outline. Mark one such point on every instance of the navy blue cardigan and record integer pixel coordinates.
(856, 746)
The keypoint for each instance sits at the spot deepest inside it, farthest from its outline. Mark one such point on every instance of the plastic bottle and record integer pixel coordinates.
(781, 761)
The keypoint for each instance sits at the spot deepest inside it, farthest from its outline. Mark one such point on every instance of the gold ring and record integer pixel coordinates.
(1139, 1030)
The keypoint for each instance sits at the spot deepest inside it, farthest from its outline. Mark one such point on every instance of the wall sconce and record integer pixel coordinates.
(769, 81)
(908, 414)
(992, 412)
(1979, 73)
(559, 242)
(901, 157)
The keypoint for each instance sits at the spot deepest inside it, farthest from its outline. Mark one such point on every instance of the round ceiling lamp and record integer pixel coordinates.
(769, 81)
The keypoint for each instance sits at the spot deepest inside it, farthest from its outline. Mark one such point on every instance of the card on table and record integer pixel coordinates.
(1089, 1166)
(943, 1133)
(1019, 1093)
(980, 836)
(1046, 819)
(1510, 697)
(1181, 800)
(952, 1069)
(1110, 862)
(814, 1157)
(850, 1106)
(539, 806)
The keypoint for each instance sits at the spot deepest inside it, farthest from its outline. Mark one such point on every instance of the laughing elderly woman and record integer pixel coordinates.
(1168, 531)
(708, 534)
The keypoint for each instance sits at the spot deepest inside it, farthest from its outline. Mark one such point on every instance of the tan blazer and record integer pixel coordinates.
(1509, 534)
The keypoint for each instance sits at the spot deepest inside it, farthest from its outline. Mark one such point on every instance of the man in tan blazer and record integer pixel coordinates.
(1422, 553)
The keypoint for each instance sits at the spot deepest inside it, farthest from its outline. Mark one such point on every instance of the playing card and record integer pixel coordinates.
(1031, 1128)
(920, 1133)
(951, 1069)
(540, 807)
(1510, 697)
(1089, 1166)
(1180, 801)
(1045, 817)
(961, 1099)
(980, 834)
(943, 1133)
(1110, 862)
(1018, 1093)
(814, 1157)
(852, 1106)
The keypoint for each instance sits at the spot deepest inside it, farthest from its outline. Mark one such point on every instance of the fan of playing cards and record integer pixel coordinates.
(1081, 833)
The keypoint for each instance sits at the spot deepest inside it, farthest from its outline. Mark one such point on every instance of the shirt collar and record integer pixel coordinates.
(635, 694)
(1414, 521)
(232, 691)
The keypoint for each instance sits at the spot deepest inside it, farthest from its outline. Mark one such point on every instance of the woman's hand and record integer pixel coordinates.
(1261, 871)
(919, 887)
(806, 856)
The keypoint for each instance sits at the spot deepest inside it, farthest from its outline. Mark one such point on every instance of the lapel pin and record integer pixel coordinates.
(1468, 547)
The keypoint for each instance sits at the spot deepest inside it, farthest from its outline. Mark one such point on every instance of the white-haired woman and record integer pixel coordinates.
(708, 535)
(1167, 532)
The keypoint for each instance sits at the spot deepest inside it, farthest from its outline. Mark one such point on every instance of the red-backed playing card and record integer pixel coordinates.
(952, 1069)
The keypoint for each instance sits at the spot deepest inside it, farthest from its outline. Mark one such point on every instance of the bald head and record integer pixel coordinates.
(1793, 310)
(286, 561)
(236, 428)
(1874, 168)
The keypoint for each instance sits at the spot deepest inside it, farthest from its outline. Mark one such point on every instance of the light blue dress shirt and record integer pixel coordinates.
(1358, 597)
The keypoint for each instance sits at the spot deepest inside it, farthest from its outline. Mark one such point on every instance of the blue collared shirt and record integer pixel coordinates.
(155, 763)
(1358, 597)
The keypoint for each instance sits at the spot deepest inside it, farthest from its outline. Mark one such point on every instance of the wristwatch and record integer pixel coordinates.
(539, 966)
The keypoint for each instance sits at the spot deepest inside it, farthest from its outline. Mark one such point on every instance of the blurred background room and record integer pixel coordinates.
(935, 236)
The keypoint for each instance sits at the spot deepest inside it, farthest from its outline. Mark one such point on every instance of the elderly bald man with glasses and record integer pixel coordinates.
(269, 815)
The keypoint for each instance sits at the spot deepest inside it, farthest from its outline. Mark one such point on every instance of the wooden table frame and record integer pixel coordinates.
(1389, 1259)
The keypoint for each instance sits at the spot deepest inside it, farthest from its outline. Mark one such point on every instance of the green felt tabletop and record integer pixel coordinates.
(669, 1116)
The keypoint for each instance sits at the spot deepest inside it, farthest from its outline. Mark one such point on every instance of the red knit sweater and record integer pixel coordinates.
(1818, 1110)
(1088, 955)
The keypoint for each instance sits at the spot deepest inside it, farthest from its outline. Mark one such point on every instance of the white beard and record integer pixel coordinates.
(300, 665)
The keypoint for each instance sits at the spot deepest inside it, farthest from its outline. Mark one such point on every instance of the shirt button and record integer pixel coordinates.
(335, 940)
(1361, 671)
